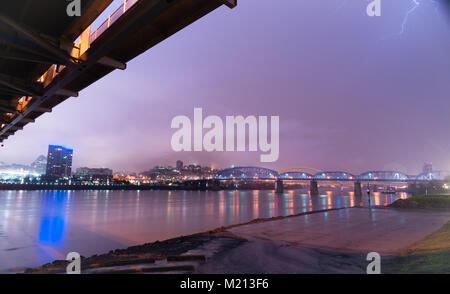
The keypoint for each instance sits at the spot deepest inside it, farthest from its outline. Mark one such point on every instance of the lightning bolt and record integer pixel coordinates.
(416, 4)
(405, 19)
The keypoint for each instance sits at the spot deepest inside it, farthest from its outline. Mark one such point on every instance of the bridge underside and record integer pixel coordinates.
(41, 66)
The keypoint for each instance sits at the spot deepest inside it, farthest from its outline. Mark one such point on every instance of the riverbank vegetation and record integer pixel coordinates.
(440, 202)
(428, 256)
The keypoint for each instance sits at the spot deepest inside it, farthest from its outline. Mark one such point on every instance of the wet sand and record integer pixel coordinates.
(336, 241)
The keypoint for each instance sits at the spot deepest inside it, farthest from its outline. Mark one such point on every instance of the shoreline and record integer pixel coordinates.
(160, 250)
(221, 250)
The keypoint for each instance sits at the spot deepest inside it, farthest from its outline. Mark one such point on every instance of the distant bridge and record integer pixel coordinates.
(261, 173)
(295, 174)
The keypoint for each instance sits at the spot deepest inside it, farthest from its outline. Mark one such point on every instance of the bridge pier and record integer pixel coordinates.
(279, 187)
(215, 185)
(314, 188)
(357, 189)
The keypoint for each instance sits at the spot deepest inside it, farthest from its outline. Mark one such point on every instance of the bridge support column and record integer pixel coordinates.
(358, 191)
(314, 188)
(279, 188)
(215, 185)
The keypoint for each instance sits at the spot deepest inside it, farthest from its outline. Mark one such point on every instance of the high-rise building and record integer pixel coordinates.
(179, 165)
(427, 167)
(59, 161)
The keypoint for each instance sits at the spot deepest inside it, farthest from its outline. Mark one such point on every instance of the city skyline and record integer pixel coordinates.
(379, 103)
(177, 165)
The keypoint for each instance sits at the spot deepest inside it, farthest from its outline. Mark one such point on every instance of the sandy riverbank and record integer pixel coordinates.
(331, 241)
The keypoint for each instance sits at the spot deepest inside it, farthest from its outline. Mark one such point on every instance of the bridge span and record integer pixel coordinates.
(47, 56)
(260, 173)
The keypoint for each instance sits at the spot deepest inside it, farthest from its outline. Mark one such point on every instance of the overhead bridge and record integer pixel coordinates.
(46, 56)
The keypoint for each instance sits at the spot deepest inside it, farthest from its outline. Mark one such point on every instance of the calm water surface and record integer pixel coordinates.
(39, 226)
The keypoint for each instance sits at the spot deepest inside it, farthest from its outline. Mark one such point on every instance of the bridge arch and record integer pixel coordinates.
(334, 176)
(439, 175)
(384, 176)
(295, 175)
(300, 169)
(247, 173)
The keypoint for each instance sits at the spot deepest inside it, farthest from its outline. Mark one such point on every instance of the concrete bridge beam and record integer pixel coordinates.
(314, 188)
(279, 187)
(357, 189)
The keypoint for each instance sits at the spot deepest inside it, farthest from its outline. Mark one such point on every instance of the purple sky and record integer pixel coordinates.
(352, 93)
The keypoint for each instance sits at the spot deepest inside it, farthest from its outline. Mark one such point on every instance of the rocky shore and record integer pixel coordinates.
(164, 256)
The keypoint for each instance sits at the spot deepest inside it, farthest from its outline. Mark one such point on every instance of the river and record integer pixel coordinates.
(37, 227)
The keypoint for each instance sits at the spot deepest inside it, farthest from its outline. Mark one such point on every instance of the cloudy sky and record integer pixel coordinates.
(352, 92)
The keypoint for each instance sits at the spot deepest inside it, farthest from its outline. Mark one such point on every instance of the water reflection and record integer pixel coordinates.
(38, 226)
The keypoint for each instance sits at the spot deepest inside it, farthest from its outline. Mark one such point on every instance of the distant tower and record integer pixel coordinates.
(427, 167)
(59, 161)
(40, 164)
(179, 165)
